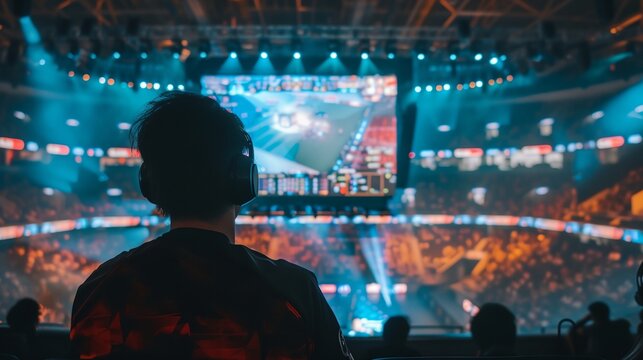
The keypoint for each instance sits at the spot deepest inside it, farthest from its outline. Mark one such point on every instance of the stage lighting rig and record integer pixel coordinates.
(119, 48)
(177, 48)
(204, 48)
(364, 49)
(96, 47)
(264, 48)
(420, 51)
(296, 48)
(333, 49)
(234, 47)
(144, 49)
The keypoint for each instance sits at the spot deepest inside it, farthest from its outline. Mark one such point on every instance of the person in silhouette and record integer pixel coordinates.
(193, 293)
(23, 318)
(394, 335)
(493, 330)
(603, 338)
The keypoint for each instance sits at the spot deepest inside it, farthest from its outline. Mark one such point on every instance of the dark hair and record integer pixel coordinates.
(23, 316)
(494, 329)
(187, 142)
(396, 330)
(600, 311)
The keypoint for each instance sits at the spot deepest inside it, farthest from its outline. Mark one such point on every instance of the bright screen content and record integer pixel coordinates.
(316, 135)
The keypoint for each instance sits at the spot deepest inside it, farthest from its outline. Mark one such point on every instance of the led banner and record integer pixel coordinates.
(571, 227)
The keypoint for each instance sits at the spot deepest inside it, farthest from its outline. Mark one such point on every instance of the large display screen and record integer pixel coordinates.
(316, 135)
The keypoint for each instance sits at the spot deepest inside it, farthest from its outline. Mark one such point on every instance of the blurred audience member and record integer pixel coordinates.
(603, 338)
(394, 335)
(494, 330)
(22, 318)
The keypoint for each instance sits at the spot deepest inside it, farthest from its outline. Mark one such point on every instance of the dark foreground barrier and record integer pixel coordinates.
(53, 342)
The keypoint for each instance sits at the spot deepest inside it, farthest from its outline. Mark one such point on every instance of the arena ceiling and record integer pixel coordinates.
(400, 19)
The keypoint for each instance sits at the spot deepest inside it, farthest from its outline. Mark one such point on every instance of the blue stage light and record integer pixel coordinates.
(479, 83)
(144, 55)
(233, 55)
(453, 57)
(170, 87)
(364, 55)
(418, 89)
(493, 60)
(447, 87)
(428, 88)
(421, 56)
(31, 34)
(296, 55)
(116, 55)
(391, 56)
(203, 54)
(263, 55)
(333, 55)
(478, 57)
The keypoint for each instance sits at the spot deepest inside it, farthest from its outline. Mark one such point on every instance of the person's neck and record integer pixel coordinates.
(223, 224)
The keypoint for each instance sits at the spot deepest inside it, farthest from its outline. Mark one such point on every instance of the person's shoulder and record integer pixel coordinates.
(621, 325)
(279, 266)
(110, 267)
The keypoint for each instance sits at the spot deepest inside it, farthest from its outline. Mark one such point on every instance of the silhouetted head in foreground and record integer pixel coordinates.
(189, 144)
(24, 315)
(396, 331)
(494, 330)
(600, 312)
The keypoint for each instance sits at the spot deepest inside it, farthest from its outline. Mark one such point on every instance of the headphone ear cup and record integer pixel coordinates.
(254, 177)
(638, 297)
(245, 181)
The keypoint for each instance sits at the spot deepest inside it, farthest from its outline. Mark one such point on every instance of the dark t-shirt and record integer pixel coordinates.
(192, 294)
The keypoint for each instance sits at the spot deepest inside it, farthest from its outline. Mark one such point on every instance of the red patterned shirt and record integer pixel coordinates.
(192, 294)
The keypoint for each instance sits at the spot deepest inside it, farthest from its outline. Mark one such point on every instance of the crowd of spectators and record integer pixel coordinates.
(541, 276)
(496, 193)
(615, 200)
(50, 274)
(23, 202)
(545, 276)
(520, 193)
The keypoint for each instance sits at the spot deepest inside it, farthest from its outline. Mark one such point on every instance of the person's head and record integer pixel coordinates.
(191, 149)
(494, 329)
(396, 330)
(24, 315)
(599, 311)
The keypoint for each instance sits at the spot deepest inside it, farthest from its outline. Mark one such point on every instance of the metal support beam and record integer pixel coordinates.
(262, 20)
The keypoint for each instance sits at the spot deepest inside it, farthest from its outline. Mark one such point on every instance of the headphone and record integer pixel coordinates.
(639, 285)
(243, 181)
